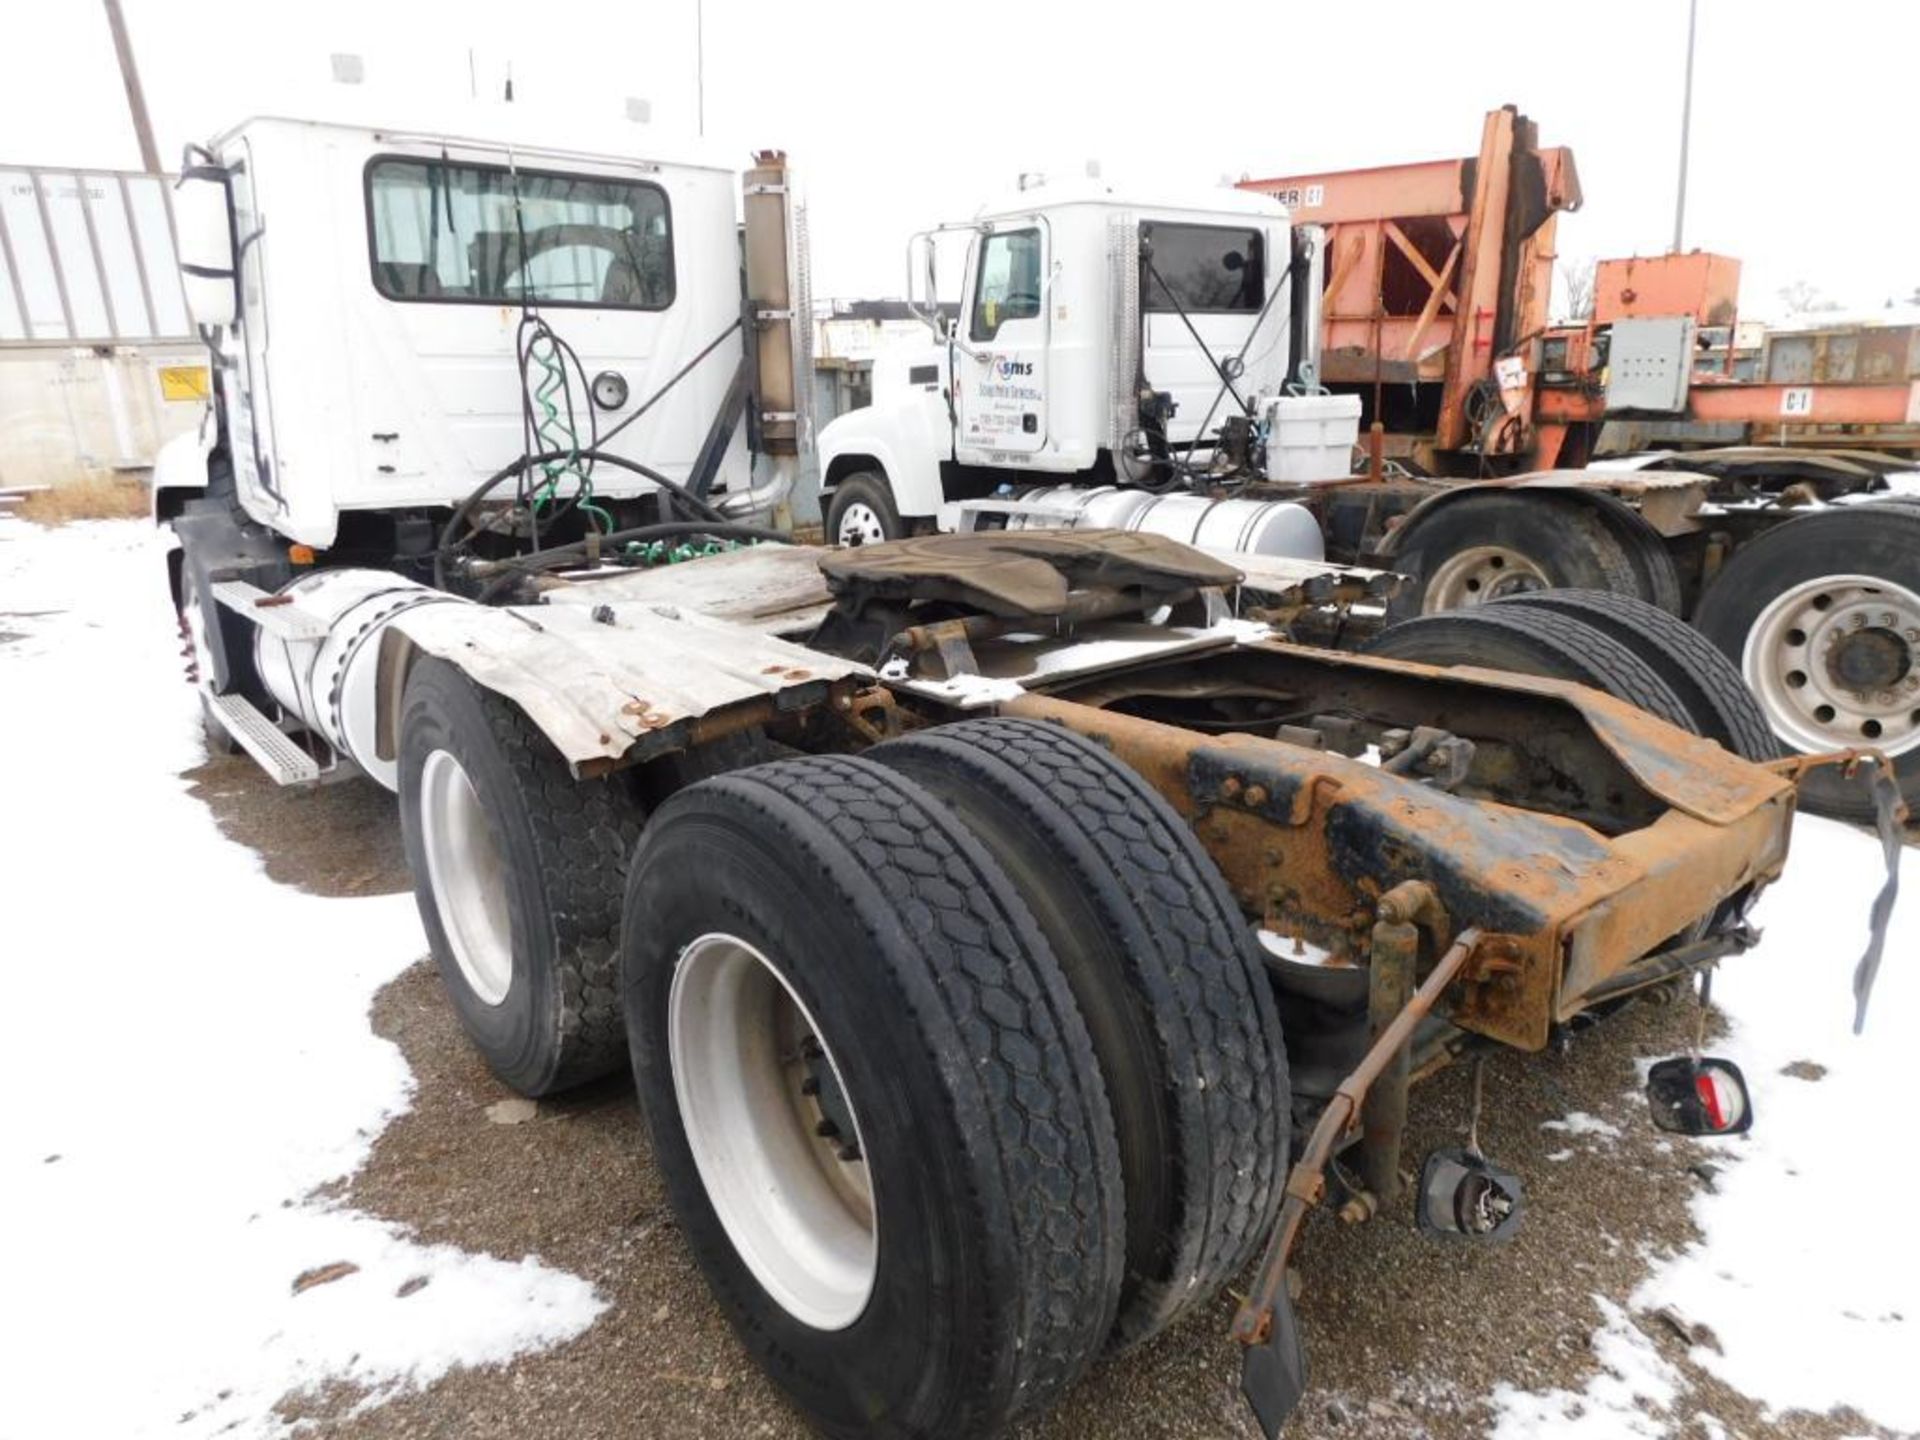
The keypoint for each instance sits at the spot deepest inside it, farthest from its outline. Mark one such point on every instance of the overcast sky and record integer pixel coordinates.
(900, 114)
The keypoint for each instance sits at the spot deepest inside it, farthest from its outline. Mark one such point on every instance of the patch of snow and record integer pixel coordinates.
(1581, 1123)
(1632, 1395)
(1808, 1284)
(190, 1058)
(1808, 1274)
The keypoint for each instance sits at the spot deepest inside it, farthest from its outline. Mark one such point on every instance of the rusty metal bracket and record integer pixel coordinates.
(1271, 1373)
(1849, 761)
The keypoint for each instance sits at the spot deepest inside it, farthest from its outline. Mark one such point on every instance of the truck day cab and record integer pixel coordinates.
(1004, 935)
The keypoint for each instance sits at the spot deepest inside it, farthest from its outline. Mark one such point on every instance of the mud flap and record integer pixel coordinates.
(1273, 1373)
(1888, 813)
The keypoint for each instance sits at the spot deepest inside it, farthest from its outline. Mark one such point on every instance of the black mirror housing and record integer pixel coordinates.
(1704, 1096)
(1462, 1196)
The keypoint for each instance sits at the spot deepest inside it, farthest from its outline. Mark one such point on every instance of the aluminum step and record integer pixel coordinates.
(282, 619)
(270, 746)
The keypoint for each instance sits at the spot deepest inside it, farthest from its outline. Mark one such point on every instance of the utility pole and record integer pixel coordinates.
(1686, 126)
(136, 97)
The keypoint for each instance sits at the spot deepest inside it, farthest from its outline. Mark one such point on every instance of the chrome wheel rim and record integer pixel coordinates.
(1835, 661)
(772, 1131)
(1481, 573)
(468, 877)
(860, 525)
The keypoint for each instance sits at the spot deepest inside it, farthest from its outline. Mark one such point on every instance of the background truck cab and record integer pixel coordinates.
(1095, 333)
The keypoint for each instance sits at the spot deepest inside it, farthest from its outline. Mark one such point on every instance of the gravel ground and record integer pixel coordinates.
(1405, 1337)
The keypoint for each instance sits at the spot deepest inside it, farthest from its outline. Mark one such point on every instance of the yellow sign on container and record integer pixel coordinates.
(185, 382)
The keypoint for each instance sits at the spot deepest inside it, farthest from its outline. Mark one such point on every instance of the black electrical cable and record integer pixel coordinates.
(450, 542)
(522, 566)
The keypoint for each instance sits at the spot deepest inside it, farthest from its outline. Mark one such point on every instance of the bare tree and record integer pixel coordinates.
(1803, 297)
(1577, 283)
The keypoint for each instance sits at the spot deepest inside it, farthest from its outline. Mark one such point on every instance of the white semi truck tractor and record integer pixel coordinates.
(1006, 931)
(1113, 355)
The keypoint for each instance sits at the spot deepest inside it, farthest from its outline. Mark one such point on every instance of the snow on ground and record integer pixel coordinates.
(187, 1057)
(1807, 1276)
(1631, 1397)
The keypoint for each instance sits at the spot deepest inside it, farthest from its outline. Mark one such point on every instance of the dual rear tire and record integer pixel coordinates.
(1069, 1106)
(958, 1060)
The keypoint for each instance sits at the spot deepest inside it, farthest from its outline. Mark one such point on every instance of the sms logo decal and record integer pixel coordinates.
(1007, 369)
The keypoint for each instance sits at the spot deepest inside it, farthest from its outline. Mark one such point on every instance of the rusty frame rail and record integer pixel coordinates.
(1317, 839)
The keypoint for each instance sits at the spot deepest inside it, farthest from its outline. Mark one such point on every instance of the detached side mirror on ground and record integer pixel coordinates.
(1699, 1096)
(1464, 1197)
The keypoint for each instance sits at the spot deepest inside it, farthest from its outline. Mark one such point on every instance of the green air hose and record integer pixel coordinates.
(554, 429)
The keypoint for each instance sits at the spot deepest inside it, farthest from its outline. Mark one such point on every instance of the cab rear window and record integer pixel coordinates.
(485, 234)
(1206, 267)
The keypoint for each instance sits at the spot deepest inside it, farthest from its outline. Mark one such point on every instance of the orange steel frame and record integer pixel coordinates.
(1472, 242)
(1484, 296)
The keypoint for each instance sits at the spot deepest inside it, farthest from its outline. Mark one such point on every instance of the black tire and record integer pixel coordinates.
(1531, 641)
(1708, 684)
(1880, 539)
(1566, 538)
(966, 1068)
(1168, 976)
(868, 488)
(562, 845)
(1653, 567)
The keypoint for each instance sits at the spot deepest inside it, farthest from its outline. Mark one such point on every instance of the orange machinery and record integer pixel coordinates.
(1438, 282)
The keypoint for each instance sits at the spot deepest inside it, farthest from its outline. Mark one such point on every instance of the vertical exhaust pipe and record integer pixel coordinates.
(780, 330)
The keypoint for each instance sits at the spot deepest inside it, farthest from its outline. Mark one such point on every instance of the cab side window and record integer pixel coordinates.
(1008, 286)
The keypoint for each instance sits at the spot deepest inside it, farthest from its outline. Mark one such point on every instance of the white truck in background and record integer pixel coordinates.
(1113, 348)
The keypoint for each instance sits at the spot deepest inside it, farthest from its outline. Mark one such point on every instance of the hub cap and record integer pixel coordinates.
(1835, 661)
(469, 879)
(1479, 574)
(773, 1134)
(860, 525)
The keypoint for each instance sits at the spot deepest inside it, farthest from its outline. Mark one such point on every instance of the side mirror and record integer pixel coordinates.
(1704, 1096)
(922, 270)
(1463, 1197)
(203, 216)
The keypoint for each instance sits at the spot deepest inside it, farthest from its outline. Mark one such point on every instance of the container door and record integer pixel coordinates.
(1001, 375)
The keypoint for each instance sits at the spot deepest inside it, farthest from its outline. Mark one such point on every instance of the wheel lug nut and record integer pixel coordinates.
(810, 1085)
(826, 1129)
(848, 1152)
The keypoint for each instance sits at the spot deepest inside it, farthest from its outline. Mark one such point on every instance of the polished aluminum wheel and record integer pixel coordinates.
(468, 877)
(1481, 573)
(1835, 661)
(860, 525)
(772, 1131)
